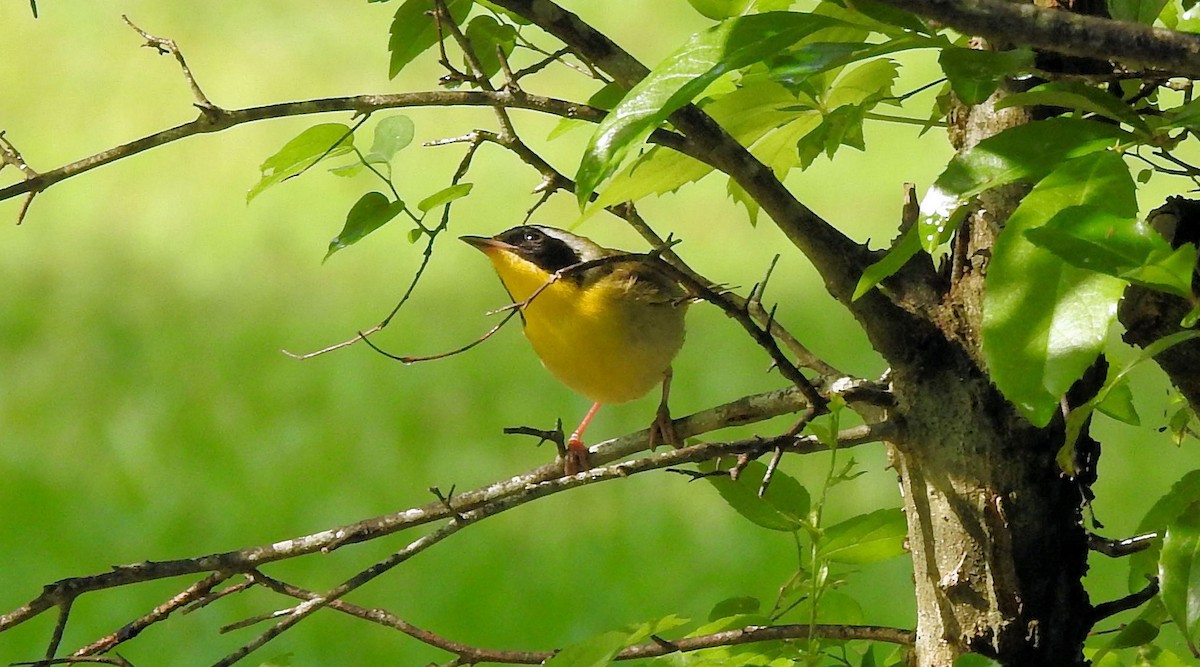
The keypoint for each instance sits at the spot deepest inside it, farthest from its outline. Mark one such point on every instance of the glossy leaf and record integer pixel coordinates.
(1118, 404)
(681, 77)
(306, 149)
(486, 34)
(784, 507)
(370, 212)
(1096, 239)
(866, 538)
(392, 134)
(445, 196)
(907, 248)
(598, 651)
(974, 75)
(1077, 95)
(746, 114)
(413, 30)
(719, 10)
(1045, 321)
(1182, 494)
(1138, 11)
(734, 606)
(1025, 153)
(1179, 574)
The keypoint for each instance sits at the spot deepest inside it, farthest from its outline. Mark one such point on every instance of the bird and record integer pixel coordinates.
(609, 332)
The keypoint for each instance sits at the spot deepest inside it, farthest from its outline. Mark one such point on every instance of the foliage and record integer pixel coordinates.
(795, 86)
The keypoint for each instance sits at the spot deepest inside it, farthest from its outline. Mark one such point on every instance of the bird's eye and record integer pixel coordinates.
(533, 236)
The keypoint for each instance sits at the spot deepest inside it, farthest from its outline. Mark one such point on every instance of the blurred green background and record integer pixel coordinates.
(146, 411)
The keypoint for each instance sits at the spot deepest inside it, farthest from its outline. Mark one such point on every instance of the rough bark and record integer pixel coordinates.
(995, 529)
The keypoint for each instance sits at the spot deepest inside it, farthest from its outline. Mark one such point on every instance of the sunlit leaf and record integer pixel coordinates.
(678, 79)
(1179, 573)
(719, 10)
(783, 507)
(1118, 404)
(1097, 239)
(1025, 153)
(974, 660)
(974, 74)
(598, 651)
(734, 606)
(445, 196)
(1138, 11)
(1045, 321)
(370, 212)
(486, 34)
(889, 264)
(309, 147)
(392, 134)
(1182, 494)
(1077, 95)
(413, 30)
(866, 538)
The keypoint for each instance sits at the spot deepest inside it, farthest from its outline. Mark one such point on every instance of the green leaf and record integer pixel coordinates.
(445, 196)
(1045, 321)
(414, 30)
(1138, 11)
(486, 34)
(719, 10)
(1118, 404)
(1138, 632)
(306, 149)
(1023, 153)
(682, 76)
(1093, 238)
(1077, 95)
(974, 660)
(734, 606)
(784, 507)
(1179, 573)
(599, 651)
(747, 114)
(369, 213)
(974, 75)
(1183, 494)
(866, 538)
(392, 134)
(907, 248)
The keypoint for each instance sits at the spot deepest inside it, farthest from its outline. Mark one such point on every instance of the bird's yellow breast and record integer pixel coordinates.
(605, 340)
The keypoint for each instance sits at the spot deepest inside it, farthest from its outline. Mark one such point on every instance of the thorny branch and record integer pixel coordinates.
(746, 410)
(475, 655)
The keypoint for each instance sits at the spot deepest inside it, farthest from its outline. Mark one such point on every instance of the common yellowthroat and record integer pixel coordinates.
(608, 332)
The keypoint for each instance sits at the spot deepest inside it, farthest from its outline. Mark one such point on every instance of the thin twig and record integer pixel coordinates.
(1131, 601)
(1122, 547)
(165, 46)
(657, 647)
(745, 410)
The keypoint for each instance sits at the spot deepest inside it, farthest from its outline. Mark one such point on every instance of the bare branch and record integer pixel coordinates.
(360, 104)
(476, 655)
(1122, 547)
(1131, 44)
(165, 46)
(1131, 601)
(746, 410)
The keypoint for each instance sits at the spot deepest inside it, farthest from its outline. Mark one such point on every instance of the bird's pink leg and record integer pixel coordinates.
(577, 453)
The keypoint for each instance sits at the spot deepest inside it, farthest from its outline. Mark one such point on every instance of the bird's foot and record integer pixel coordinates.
(662, 429)
(575, 458)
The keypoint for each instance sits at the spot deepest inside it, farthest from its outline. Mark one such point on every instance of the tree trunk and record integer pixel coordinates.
(994, 527)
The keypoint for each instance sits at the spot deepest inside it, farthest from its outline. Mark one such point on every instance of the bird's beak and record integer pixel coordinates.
(486, 243)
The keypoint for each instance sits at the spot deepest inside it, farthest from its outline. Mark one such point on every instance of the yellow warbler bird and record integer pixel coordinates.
(608, 332)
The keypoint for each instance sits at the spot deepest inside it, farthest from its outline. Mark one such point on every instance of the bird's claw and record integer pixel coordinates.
(575, 459)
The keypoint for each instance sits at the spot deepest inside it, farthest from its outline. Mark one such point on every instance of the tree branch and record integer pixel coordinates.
(1131, 44)
(216, 120)
(894, 332)
(475, 655)
(746, 410)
